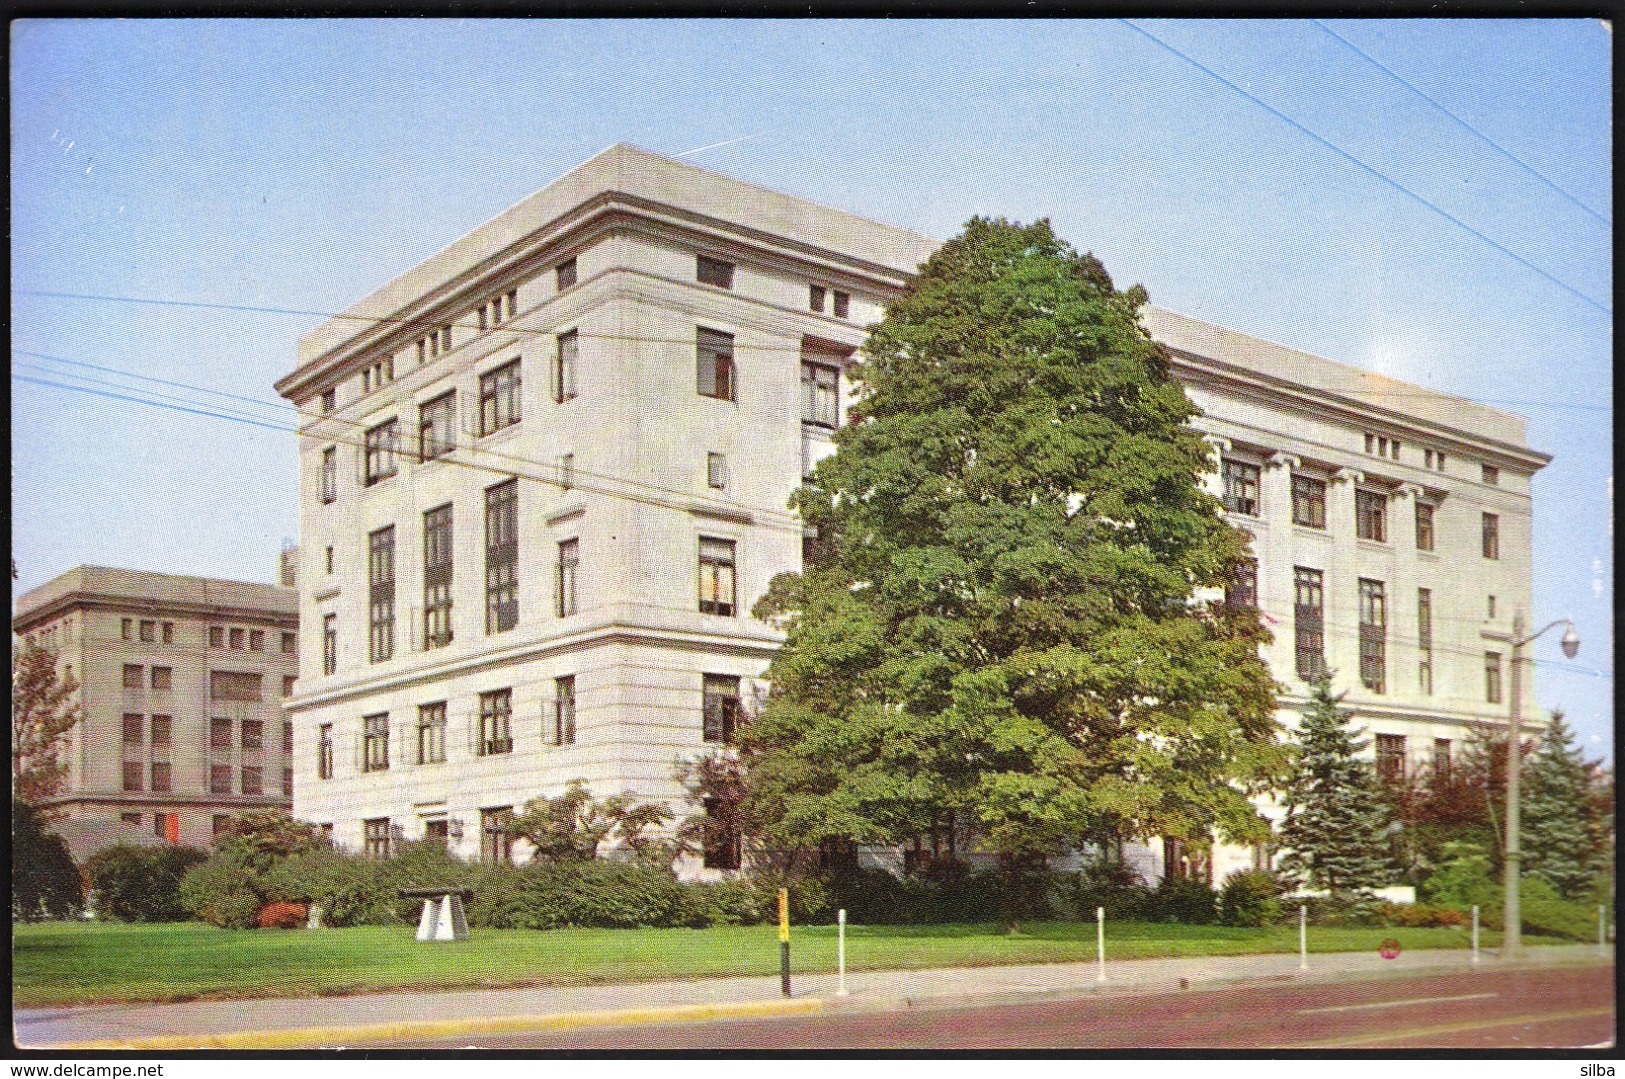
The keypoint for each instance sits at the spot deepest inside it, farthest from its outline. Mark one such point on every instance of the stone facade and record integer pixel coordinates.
(181, 685)
(601, 400)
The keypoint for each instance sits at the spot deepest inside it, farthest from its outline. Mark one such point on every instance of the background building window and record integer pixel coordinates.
(564, 366)
(432, 733)
(290, 643)
(1492, 677)
(329, 400)
(820, 394)
(437, 577)
(1309, 622)
(568, 568)
(238, 639)
(379, 453)
(496, 835)
(1441, 760)
(710, 271)
(381, 594)
(217, 637)
(722, 842)
(715, 364)
(1492, 475)
(1424, 639)
(502, 556)
(1492, 536)
(375, 838)
(330, 643)
(565, 274)
(1373, 635)
(1240, 486)
(437, 427)
(1242, 588)
(162, 776)
(716, 471)
(149, 632)
(1424, 526)
(1308, 502)
(132, 676)
(564, 707)
(716, 576)
(375, 743)
(815, 298)
(324, 751)
(163, 678)
(256, 640)
(235, 686)
(496, 723)
(1371, 516)
(1391, 757)
(843, 304)
(127, 629)
(721, 708)
(499, 398)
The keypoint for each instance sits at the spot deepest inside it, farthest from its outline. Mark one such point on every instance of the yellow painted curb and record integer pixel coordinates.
(336, 1036)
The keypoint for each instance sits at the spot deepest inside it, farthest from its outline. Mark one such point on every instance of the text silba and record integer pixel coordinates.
(1597, 1069)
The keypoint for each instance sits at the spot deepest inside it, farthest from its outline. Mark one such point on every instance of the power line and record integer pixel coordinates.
(1497, 147)
(1396, 185)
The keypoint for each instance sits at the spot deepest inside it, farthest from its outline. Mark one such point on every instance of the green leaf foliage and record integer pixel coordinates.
(1557, 844)
(141, 884)
(1001, 631)
(44, 881)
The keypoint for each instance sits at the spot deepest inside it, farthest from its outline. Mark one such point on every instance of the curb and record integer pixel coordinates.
(335, 1037)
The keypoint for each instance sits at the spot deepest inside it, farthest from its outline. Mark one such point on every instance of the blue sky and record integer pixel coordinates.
(298, 165)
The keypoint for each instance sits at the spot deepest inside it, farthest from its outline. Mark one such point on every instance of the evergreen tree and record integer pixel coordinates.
(1557, 846)
(44, 881)
(1335, 819)
(43, 710)
(999, 626)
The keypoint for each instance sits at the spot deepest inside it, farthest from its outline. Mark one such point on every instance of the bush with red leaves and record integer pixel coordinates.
(282, 916)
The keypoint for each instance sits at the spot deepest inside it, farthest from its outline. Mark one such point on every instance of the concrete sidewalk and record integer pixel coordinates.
(327, 1022)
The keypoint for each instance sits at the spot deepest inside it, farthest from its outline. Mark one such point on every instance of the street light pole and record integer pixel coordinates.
(1512, 914)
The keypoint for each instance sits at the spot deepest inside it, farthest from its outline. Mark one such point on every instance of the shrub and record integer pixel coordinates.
(141, 884)
(1422, 915)
(1250, 897)
(1184, 900)
(222, 893)
(44, 881)
(1354, 909)
(1463, 878)
(282, 915)
(347, 887)
(1107, 883)
(1548, 914)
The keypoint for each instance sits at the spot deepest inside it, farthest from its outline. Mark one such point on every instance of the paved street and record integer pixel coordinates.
(1487, 1009)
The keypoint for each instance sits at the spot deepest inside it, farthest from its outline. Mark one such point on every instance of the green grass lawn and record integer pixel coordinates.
(63, 963)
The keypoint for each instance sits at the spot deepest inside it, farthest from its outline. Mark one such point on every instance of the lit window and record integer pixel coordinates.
(716, 576)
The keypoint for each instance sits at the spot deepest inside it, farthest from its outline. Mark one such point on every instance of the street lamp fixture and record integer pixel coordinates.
(1512, 914)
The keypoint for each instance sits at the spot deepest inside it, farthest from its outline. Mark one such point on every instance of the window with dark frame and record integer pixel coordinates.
(717, 576)
(721, 708)
(432, 733)
(1441, 760)
(710, 271)
(1308, 501)
(256, 640)
(496, 835)
(716, 471)
(1424, 640)
(565, 274)
(290, 643)
(253, 779)
(1424, 525)
(502, 556)
(1309, 622)
(500, 398)
(437, 575)
(1391, 757)
(1240, 486)
(843, 304)
(564, 710)
(330, 643)
(379, 452)
(1371, 516)
(1492, 677)
(820, 394)
(169, 633)
(1492, 475)
(127, 629)
(132, 676)
(714, 375)
(238, 640)
(568, 569)
(375, 743)
(496, 723)
(329, 400)
(1373, 635)
(564, 366)
(381, 594)
(1241, 590)
(219, 755)
(149, 631)
(1492, 536)
(288, 681)
(217, 637)
(135, 766)
(815, 298)
(376, 836)
(437, 426)
(324, 751)
(163, 679)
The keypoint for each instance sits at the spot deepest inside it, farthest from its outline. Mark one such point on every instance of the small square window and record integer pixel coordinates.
(149, 632)
(710, 271)
(163, 678)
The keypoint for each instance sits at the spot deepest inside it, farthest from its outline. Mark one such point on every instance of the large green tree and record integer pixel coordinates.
(1334, 832)
(1556, 842)
(43, 710)
(1001, 629)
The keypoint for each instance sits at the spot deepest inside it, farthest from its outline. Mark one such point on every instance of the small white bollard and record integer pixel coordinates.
(1475, 932)
(840, 951)
(1100, 941)
(1303, 936)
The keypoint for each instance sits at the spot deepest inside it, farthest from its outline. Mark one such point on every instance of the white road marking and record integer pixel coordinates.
(1395, 1003)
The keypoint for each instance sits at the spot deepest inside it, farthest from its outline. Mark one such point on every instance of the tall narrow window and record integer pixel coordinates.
(564, 701)
(496, 723)
(375, 743)
(379, 456)
(715, 364)
(256, 640)
(375, 835)
(437, 427)
(238, 640)
(1371, 516)
(127, 628)
(815, 298)
(330, 643)
(219, 755)
(324, 751)
(1391, 757)
(1492, 535)
(564, 366)
(432, 733)
(1441, 760)
(135, 765)
(565, 274)
(437, 562)
(820, 394)
(1240, 486)
(217, 636)
(716, 576)
(843, 304)
(1424, 640)
(1424, 525)
(709, 271)
(502, 556)
(721, 708)
(1308, 501)
(329, 400)
(716, 471)
(1309, 622)
(499, 398)
(496, 835)
(568, 568)
(163, 739)
(290, 643)
(381, 594)
(1242, 588)
(1492, 677)
(1373, 635)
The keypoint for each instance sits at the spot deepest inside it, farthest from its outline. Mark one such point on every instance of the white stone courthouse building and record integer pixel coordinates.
(544, 479)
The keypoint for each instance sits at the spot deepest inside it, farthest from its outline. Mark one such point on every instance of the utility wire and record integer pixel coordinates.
(1491, 143)
(1395, 184)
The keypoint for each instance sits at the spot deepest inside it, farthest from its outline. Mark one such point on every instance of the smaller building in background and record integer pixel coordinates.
(181, 686)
